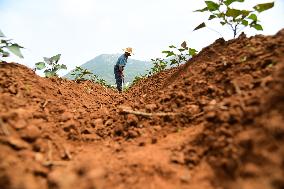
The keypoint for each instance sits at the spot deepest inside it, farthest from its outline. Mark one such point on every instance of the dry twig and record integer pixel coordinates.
(197, 115)
(45, 103)
(4, 129)
(237, 88)
(49, 153)
(160, 114)
(67, 153)
(55, 163)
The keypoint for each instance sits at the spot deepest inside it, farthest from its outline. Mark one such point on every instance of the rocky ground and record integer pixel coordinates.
(215, 122)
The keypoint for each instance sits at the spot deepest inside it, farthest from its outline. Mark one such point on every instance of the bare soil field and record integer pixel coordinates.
(215, 122)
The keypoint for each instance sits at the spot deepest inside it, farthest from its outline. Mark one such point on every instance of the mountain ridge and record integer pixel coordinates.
(102, 66)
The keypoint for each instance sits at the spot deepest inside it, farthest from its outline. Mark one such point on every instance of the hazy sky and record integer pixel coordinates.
(83, 29)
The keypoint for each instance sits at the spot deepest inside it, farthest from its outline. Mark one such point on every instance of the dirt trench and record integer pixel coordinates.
(215, 122)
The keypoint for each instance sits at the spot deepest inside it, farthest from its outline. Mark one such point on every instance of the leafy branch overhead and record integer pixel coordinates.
(236, 19)
(51, 66)
(7, 47)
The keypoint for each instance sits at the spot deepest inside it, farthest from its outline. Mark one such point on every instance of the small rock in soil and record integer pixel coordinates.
(96, 173)
(132, 134)
(150, 107)
(71, 124)
(15, 143)
(154, 140)
(250, 170)
(132, 120)
(193, 109)
(66, 116)
(118, 130)
(109, 122)
(98, 123)
(31, 133)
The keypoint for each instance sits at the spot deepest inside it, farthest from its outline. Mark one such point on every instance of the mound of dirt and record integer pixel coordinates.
(214, 122)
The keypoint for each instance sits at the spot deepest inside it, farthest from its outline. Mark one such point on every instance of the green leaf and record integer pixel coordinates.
(233, 13)
(221, 15)
(257, 27)
(201, 10)
(245, 13)
(192, 52)
(40, 65)
(15, 49)
(202, 25)
(223, 23)
(212, 17)
(47, 60)
(228, 2)
(1, 34)
(263, 7)
(169, 53)
(5, 54)
(172, 47)
(49, 73)
(86, 72)
(55, 68)
(78, 68)
(253, 17)
(55, 58)
(184, 45)
(212, 6)
(245, 22)
(173, 61)
(18, 45)
(63, 66)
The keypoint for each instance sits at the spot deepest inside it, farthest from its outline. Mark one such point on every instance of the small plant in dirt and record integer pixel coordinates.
(158, 66)
(51, 66)
(236, 19)
(7, 47)
(81, 74)
(176, 56)
(137, 79)
(126, 87)
(103, 82)
(179, 55)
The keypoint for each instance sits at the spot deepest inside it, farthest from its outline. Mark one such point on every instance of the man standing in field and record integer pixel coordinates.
(119, 67)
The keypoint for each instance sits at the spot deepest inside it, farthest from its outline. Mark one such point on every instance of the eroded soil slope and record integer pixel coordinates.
(215, 122)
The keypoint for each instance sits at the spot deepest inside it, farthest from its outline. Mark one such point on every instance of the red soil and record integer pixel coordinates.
(215, 122)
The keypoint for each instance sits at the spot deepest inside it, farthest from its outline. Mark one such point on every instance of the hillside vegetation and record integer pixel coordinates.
(102, 66)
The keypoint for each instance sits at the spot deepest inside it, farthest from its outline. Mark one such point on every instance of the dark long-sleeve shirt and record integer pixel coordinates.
(121, 61)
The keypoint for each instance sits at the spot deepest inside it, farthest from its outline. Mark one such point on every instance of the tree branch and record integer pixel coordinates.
(160, 114)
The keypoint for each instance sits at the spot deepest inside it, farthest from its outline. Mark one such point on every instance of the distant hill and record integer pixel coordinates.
(102, 66)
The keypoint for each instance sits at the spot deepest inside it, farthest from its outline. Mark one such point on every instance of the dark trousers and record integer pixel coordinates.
(118, 78)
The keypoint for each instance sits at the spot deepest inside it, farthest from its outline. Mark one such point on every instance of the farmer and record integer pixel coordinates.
(119, 67)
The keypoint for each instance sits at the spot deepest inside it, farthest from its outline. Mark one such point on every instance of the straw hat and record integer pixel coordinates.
(128, 50)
